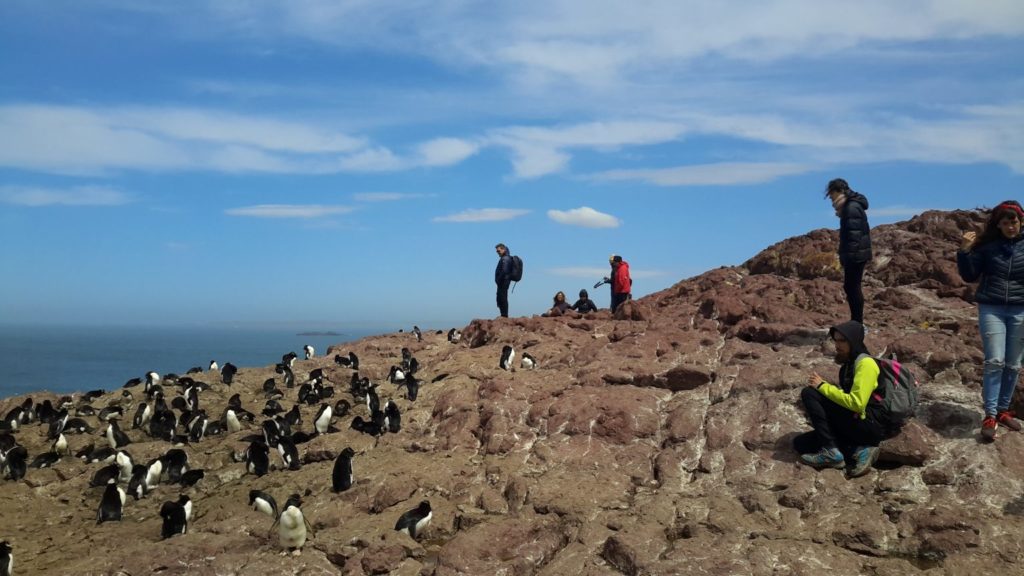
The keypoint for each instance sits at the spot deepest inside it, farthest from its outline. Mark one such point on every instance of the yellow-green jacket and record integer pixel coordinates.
(854, 398)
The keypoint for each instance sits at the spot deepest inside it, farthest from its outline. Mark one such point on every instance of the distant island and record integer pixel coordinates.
(328, 333)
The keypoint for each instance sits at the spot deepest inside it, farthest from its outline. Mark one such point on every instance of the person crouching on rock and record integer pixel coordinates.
(559, 306)
(584, 304)
(996, 257)
(842, 418)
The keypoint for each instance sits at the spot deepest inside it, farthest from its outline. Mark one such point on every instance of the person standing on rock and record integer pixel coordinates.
(854, 241)
(503, 278)
(622, 284)
(996, 260)
(842, 417)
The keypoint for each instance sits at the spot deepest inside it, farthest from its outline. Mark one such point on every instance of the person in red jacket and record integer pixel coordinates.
(622, 284)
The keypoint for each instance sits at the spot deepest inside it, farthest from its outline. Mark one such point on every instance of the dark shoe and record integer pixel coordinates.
(863, 458)
(988, 428)
(825, 458)
(1008, 419)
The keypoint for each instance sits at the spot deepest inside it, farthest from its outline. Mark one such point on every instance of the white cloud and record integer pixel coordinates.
(445, 151)
(584, 216)
(387, 196)
(75, 196)
(288, 210)
(721, 174)
(483, 215)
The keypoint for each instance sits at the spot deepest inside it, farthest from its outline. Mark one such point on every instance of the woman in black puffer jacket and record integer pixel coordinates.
(996, 258)
(854, 241)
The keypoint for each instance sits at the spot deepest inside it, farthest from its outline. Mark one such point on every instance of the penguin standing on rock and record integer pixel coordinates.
(322, 422)
(6, 558)
(508, 357)
(111, 504)
(175, 521)
(309, 351)
(227, 373)
(416, 520)
(342, 478)
(528, 362)
(117, 438)
(292, 525)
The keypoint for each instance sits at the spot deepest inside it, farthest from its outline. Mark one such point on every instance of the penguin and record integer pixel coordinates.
(372, 428)
(269, 385)
(272, 407)
(154, 470)
(412, 388)
(341, 408)
(137, 485)
(306, 393)
(414, 365)
(85, 410)
(309, 350)
(45, 460)
(195, 370)
(45, 412)
(190, 477)
(77, 426)
(353, 360)
(197, 431)
(230, 420)
(528, 362)
(322, 422)
(92, 455)
(227, 373)
(186, 503)
(342, 478)
(142, 415)
(406, 356)
(257, 458)
(175, 463)
(289, 453)
(289, 359)
(15, 462)
(28, 413)
(393, 416)
(415, 521)
(110, 413)
(58, 424)
(416, 332)
(454, 336)
(214, 366)
(152, 379)
(60, 446)
(263, 502)
(93, 394)
(396, 375)
(286, 371)
(111, 504)
(116, 437)
(6, 558)
(175, 521)
(292, 525)
(372, 400)
(132, 382)
(125, 464)
(508, 356)
(341, 360)
(192, 398)
(293, 417)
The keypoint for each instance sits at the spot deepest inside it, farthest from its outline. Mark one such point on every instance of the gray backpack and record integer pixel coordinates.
(896, 394)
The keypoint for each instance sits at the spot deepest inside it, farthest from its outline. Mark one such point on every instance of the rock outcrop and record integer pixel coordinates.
(654, 442)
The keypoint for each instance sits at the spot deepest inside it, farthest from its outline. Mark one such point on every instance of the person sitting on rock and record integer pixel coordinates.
(584, 304)
(996, 258)
(559, 307)
(841, 415)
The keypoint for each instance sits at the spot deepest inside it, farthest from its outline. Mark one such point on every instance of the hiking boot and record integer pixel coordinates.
(1008, 419)
(863, 458)
(988, 428)
(825, 458)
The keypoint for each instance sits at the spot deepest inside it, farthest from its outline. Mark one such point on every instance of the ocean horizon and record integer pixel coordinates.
(65, 359)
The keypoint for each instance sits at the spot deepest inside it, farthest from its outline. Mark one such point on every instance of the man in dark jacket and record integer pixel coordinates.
(854, 241)
(503, 277)
(842, 414)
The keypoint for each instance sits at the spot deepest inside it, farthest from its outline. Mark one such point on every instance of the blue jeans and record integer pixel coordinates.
(1002, 336)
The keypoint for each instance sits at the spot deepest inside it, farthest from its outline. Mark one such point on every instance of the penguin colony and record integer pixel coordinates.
(185, 421)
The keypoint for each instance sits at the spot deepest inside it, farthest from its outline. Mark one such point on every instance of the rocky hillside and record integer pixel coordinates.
(655, 443)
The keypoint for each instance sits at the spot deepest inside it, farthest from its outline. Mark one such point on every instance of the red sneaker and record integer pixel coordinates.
(1008, 419)
(988, 428)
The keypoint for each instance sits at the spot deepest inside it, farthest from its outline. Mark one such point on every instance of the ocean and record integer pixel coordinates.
(66, 359)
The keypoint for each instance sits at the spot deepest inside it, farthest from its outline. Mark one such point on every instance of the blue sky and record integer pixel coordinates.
(352, 163)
